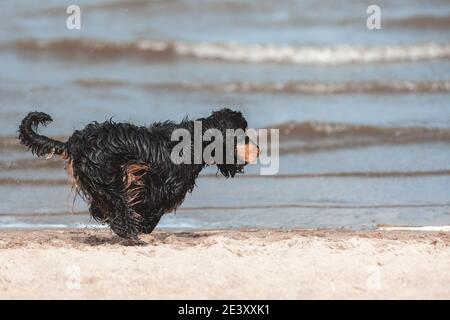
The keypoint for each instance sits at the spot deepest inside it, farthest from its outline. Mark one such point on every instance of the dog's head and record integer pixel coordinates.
(243, 150)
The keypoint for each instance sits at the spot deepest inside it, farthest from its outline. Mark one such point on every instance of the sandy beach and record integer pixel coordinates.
(241, 264)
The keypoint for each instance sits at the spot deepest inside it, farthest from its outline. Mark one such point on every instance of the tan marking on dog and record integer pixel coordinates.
(69, 170)
(133, 183)
(175, 207)
(50, 155)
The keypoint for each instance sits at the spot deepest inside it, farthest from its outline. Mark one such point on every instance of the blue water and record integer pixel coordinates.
(357, 180)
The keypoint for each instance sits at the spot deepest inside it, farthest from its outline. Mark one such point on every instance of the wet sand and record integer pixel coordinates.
(240, 264)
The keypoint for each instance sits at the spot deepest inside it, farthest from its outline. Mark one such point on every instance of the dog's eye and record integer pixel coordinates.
(180, 153)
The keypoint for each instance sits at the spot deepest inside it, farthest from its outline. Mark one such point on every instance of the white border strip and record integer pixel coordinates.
(424, 228)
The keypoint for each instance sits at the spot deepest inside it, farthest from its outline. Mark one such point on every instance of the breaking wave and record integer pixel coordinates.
(422, 21)
(315, 129)
(237, 52)
(354, 174)
(371, 87)
(295, 138)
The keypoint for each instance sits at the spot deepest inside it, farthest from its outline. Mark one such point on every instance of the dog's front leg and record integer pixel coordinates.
(125, 222)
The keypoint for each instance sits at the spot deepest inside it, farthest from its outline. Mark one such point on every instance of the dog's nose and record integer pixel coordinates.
(247, 152)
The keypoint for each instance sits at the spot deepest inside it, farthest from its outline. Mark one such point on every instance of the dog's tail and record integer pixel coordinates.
(39, 145)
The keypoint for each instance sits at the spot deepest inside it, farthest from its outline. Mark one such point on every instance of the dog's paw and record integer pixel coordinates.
(133, 242)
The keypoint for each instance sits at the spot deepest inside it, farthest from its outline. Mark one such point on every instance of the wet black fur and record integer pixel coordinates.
(100, 153)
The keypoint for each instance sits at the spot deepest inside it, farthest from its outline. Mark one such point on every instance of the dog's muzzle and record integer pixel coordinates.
(247, 152)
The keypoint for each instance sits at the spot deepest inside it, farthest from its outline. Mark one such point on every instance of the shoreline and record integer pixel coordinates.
(225, 264)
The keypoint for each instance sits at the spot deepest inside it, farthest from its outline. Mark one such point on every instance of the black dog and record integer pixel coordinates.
(125, 172)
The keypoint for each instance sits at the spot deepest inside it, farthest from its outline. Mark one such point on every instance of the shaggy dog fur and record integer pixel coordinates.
(124, 171)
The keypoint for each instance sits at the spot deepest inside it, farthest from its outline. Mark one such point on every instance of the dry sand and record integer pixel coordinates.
(244, 264)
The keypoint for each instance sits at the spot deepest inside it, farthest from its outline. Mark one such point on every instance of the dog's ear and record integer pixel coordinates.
(230, 119)
(226, 112)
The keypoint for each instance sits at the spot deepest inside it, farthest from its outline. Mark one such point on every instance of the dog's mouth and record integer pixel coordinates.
(230, 170)
(245, 153)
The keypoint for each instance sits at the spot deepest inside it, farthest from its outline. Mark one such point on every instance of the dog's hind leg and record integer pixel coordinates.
(99, 214)
(126, 221)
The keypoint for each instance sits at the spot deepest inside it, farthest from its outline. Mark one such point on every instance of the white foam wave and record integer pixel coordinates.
(242, 52)
(343, 54)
